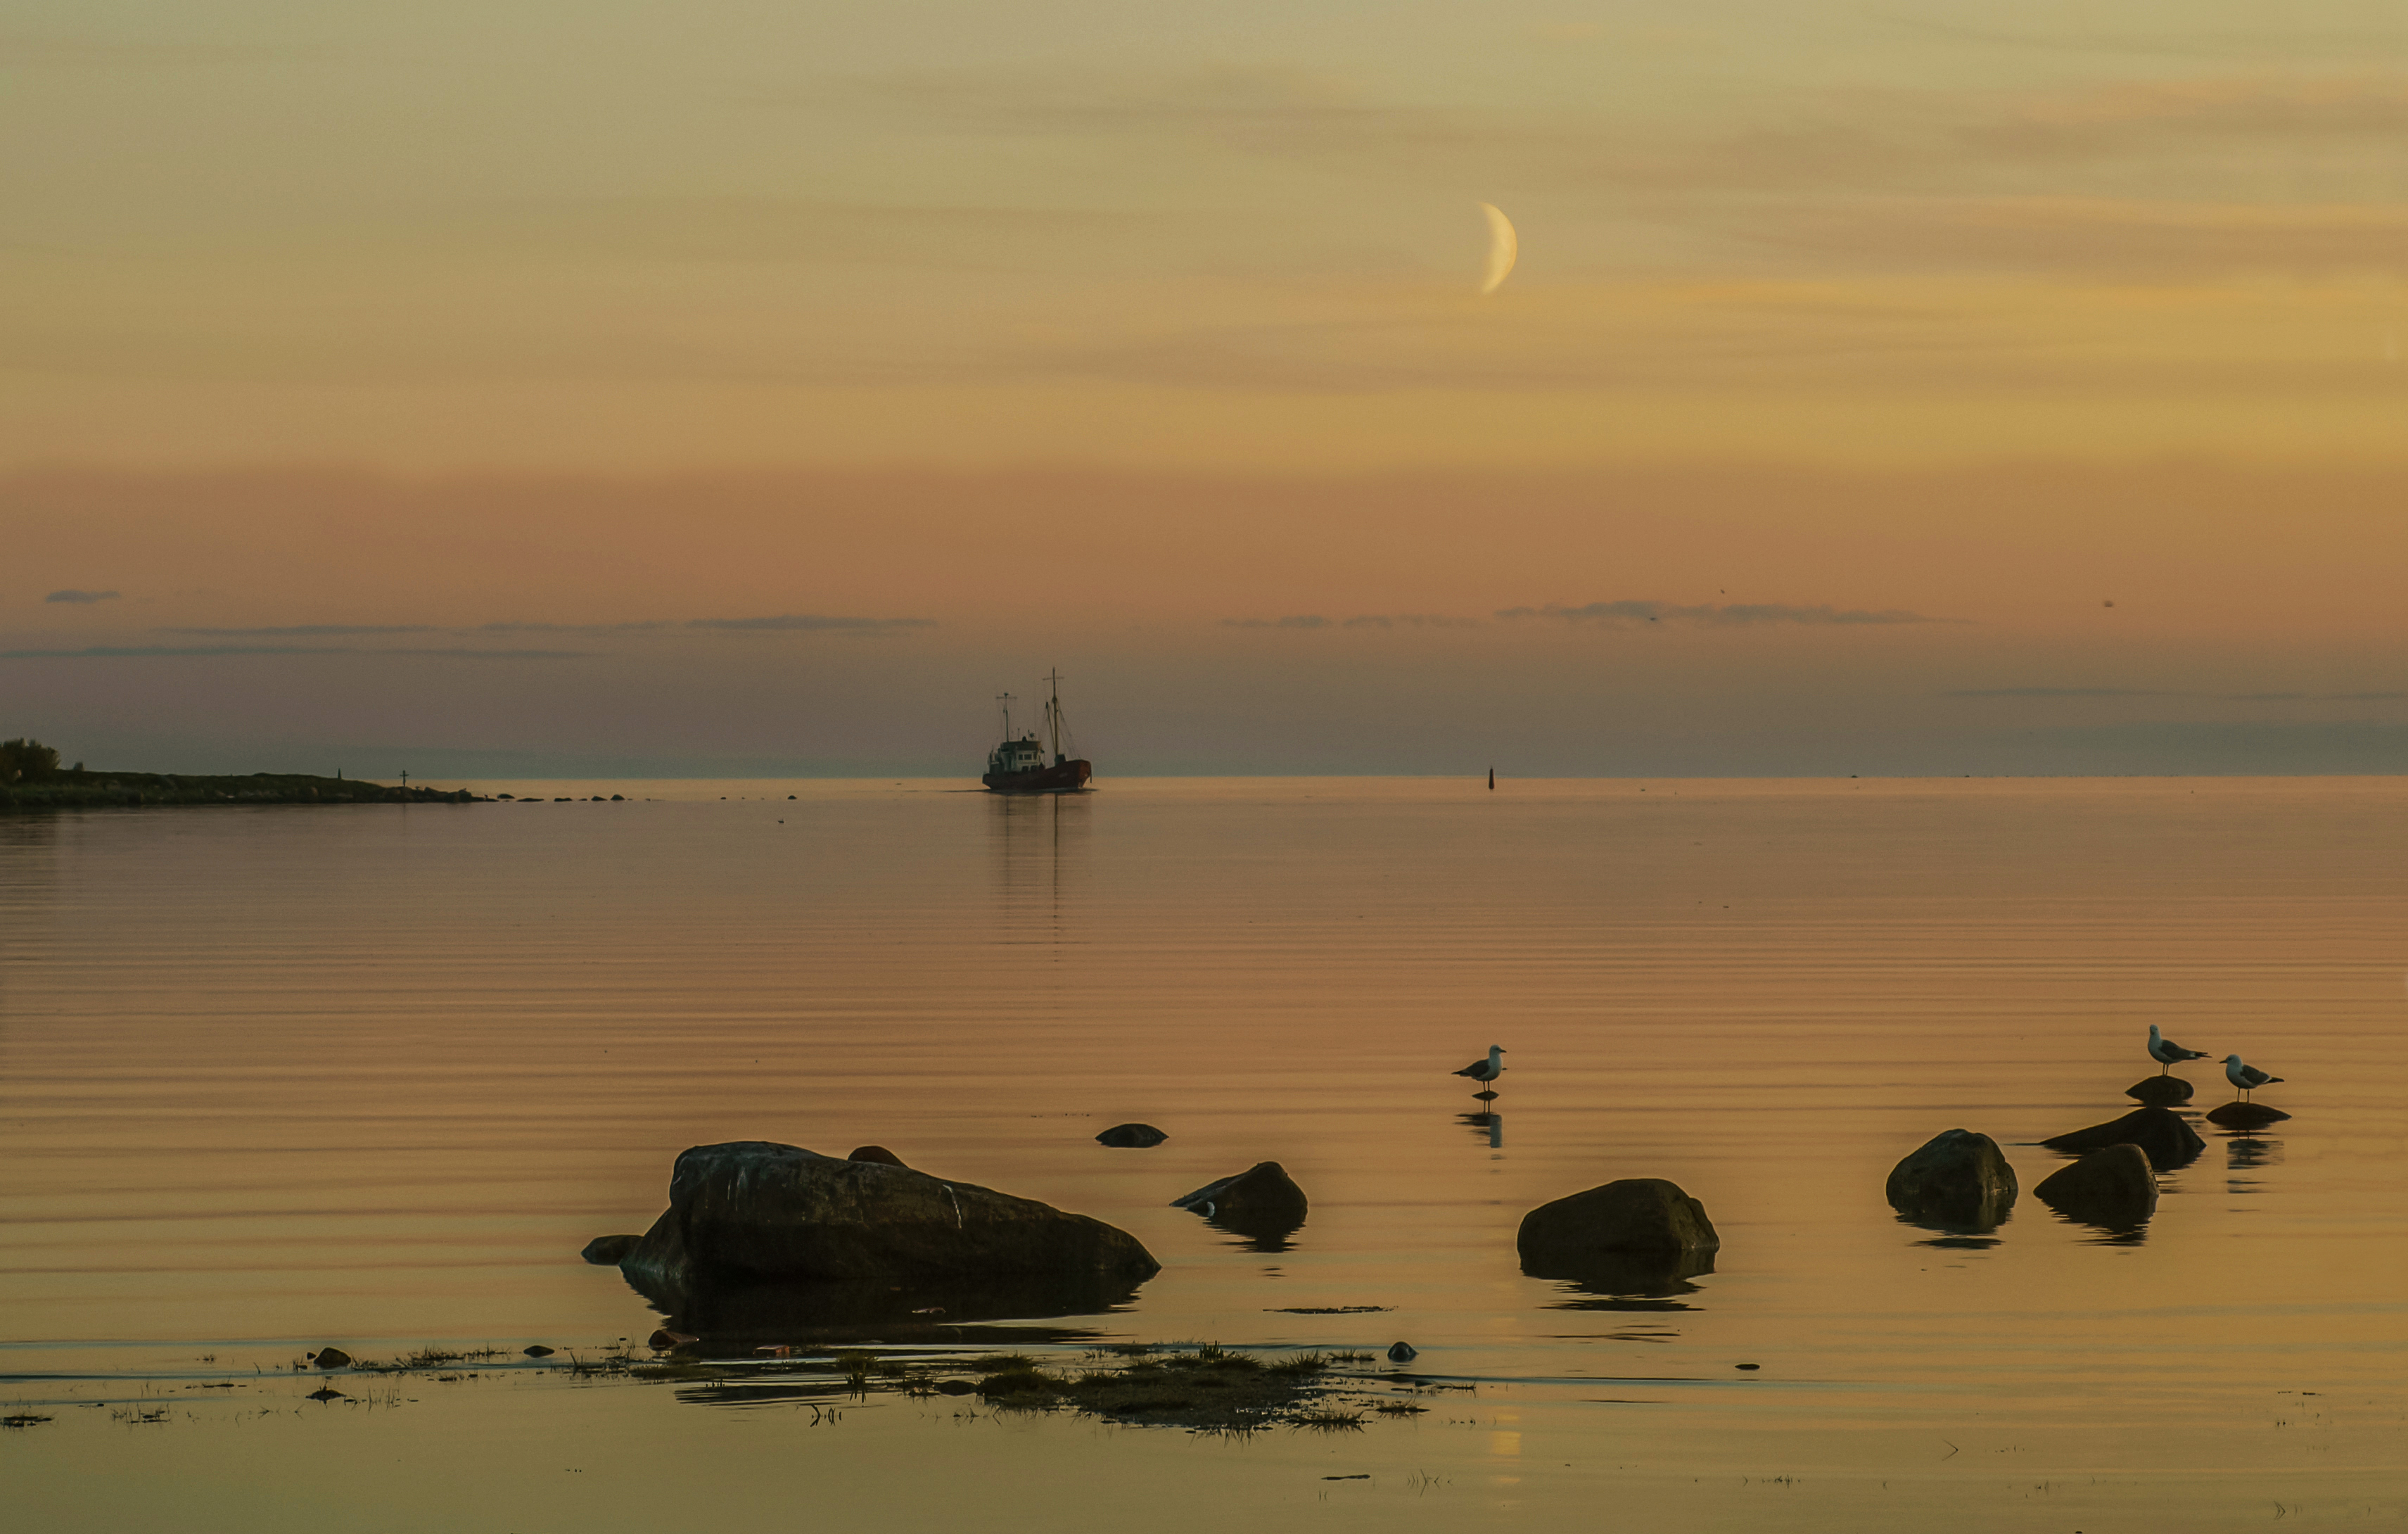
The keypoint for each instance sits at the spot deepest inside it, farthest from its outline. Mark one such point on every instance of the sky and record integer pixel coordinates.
(726, 388)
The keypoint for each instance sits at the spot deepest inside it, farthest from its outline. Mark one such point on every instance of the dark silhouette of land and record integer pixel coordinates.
(31, 778)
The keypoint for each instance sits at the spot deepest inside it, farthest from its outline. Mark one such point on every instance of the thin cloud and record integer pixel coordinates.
(2058, 692)
(2163, 692)
(71, 595)
(149, 650)
(1365, 620)
(805, 623)
(305, 631)
(1734, 615)
(1409, 620)
(784, 622)
(790, 623)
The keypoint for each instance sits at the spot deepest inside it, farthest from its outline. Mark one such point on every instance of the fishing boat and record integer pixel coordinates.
(1019, 767)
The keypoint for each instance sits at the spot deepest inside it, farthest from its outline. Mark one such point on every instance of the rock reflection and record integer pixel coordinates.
(1628, 1280)
(736, 1317)
(1489, 1126)
(1956, 1235)
(2248, 1154)
(1259, 1232)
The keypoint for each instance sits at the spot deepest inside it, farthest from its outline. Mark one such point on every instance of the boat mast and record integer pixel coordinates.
(1005, 699)
(1053, 712)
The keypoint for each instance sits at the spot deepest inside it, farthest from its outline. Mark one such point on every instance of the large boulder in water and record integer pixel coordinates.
(2161, 1132)
(1596, 1228)
(2112, 1187)
(752, 1208)
(1957, 1177)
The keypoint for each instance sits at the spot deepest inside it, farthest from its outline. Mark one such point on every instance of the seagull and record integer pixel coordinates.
(2168, 1054)
(1485, 1070)
(2248, 1078)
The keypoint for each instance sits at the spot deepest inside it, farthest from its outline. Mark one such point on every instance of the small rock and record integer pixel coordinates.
(331, 1359)
(327, 1393)
(610, 1251)
(1403, 1353)
(664, 1339)
(2113, 1187)
(618, 799)
(1956, 1175)
(1131, 1137)
(878, 1153)
(539, 1351)
(1263, 1192)
(2160, 1132)
(955, 1387)
(1747, 1366)
(1635, 1215)
(2245, 1115)
(2159, 1091)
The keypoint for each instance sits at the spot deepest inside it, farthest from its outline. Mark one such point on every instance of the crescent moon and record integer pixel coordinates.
(1502, 247)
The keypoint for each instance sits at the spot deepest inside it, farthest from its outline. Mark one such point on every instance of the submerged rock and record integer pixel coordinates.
(1131, 1137)
(879, 1154)
(1262, 1203)
(2160, 1132)
(2245, 1115)
(1959, 1177)
(539, 1351)
(1262, 1190)
(2159, 1091)
(758, 1210)
(2113, 1187)
(609, 1251)
(1609, 1223)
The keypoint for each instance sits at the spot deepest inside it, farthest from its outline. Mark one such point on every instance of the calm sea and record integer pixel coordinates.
(275, 1078)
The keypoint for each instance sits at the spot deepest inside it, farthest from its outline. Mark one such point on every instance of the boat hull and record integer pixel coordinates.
(1061, 777)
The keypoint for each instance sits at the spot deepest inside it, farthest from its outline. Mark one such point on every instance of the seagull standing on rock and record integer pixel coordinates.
(2168, 1054)
(2248, 1078)
(1485, 1071)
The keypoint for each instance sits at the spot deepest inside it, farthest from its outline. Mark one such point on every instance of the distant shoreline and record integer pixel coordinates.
(89, 790)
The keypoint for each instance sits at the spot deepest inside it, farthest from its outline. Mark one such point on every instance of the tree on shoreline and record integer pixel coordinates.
(27, 762)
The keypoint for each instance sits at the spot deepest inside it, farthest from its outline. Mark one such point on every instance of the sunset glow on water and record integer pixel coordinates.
(273, 1080)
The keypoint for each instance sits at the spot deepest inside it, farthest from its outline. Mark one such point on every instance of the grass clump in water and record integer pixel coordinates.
(1207, 1387)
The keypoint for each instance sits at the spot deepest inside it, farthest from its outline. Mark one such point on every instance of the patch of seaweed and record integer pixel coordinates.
(1207, 1387)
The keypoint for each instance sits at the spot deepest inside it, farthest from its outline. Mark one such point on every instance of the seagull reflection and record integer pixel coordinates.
(1488, 1125)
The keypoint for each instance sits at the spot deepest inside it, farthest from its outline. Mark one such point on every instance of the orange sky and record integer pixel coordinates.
(1112, 337)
